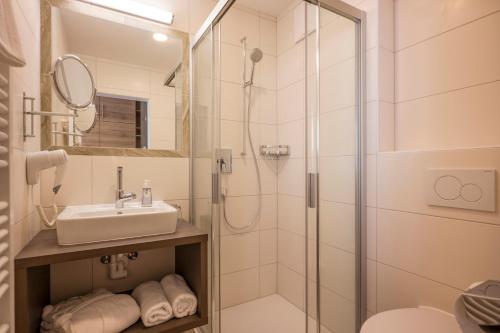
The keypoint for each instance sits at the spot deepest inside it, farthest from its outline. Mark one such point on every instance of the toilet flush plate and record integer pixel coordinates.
(462, 188)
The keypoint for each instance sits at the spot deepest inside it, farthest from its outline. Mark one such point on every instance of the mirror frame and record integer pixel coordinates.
(59, 64)
(46, 87)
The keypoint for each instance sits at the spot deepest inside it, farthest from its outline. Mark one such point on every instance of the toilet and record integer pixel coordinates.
(412, 320)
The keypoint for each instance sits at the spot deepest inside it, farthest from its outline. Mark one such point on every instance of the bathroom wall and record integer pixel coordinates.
(446, 103)
(24, 220)
(248, 259)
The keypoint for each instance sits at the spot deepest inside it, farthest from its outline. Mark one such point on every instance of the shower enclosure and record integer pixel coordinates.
(286, 226)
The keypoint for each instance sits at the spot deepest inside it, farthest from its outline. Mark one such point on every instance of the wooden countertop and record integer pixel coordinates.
(43, 249)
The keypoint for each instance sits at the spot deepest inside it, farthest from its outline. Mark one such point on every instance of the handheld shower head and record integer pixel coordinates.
(256, 55)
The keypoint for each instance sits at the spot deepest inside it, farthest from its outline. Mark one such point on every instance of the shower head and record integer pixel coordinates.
(256, 55)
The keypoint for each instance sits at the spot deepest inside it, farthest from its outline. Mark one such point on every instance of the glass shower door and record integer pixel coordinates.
(333, 71)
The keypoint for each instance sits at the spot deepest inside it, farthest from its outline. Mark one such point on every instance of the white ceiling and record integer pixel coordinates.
(120, 42)
(269, 7)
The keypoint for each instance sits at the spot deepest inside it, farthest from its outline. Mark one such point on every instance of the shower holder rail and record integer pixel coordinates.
(274, 151)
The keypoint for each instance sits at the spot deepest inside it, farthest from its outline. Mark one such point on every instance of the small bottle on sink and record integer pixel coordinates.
(147, 195)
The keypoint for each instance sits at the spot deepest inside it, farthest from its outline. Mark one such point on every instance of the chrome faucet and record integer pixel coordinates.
(121, 195)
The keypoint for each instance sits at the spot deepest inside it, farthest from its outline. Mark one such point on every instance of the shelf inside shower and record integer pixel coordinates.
(274, 151)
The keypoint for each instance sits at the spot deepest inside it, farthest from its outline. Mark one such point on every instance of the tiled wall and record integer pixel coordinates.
(291, 193)
(24, 220)
(446, 98)
(248, 259)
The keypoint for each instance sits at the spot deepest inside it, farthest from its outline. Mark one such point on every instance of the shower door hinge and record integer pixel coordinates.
(312, 189)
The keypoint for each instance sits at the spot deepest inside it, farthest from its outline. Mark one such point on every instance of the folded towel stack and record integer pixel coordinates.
(97, 312)
(104, 312)
(181, 298)
(155, 309)
(161, 301)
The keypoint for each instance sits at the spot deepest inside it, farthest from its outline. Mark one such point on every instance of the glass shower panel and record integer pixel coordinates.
(205, 139)
(337, 111)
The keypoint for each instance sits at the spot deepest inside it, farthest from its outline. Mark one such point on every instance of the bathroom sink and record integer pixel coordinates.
(105, 222)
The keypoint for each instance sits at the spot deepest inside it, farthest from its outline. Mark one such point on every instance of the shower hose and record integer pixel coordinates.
(256, 216)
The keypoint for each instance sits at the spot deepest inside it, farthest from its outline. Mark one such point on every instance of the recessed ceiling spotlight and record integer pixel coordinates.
(159, 37)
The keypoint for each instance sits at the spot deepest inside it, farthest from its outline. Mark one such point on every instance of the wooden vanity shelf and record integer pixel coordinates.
(32, 273)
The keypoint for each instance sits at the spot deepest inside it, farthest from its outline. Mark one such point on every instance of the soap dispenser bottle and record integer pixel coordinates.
(147, 195)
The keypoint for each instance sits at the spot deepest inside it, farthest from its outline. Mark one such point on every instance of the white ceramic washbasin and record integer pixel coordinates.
(96, 223)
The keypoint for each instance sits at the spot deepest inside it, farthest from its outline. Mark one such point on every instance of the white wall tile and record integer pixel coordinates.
(424, 124)
(269, 215)
(292, 58)
(387, 127)
(399, 289)
(337, 313)
(268, 35)
(336, 225)
(337, 179)
(77, 183)
(232, 292)
(285, 33)
(291, 286)
(291, 251)
(450, 61)
(268, 246)
(292, 134)
(371, 286)
(237, 24)
(291, 213)
(268, 280)
(168, 177)
(238, 252)
(420, 20)
(338, 132)
(291, 102)
(291, 177)
(337, 86)
(337, 271)
(453, 252)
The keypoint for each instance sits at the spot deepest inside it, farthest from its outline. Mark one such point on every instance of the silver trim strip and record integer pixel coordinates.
(213, 18)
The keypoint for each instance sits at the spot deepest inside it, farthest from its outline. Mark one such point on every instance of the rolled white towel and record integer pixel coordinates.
(108, 315)
(155, 309)
(181, 298)
(54, 316)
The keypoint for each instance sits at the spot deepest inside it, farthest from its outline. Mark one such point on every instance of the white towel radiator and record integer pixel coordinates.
(5, 265)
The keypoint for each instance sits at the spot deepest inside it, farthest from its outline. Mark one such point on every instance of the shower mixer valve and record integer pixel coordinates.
(225, 160)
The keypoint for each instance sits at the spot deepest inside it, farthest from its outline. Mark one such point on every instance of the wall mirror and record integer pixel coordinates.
(126, 78)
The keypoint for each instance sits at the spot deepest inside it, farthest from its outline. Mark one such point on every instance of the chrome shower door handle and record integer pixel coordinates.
(215, 188)
(312, 190)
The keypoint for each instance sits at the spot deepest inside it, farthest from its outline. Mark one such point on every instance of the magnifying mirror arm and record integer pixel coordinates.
(51, 114)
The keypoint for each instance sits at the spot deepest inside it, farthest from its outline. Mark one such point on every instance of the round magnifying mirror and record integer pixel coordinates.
(85, 119)
(74, 82)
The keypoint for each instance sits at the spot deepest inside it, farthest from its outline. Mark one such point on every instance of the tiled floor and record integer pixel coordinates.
(271, 314)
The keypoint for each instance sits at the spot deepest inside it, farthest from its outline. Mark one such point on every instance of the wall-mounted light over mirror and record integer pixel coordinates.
(125, 77)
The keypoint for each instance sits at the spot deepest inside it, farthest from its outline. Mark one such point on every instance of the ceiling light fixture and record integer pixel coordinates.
(159, 37)
(135, 8)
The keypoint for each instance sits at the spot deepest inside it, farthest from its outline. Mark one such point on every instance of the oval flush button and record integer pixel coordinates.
(471, 192)
(448, 187)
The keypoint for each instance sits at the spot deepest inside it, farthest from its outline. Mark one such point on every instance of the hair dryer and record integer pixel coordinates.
(41, 160)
